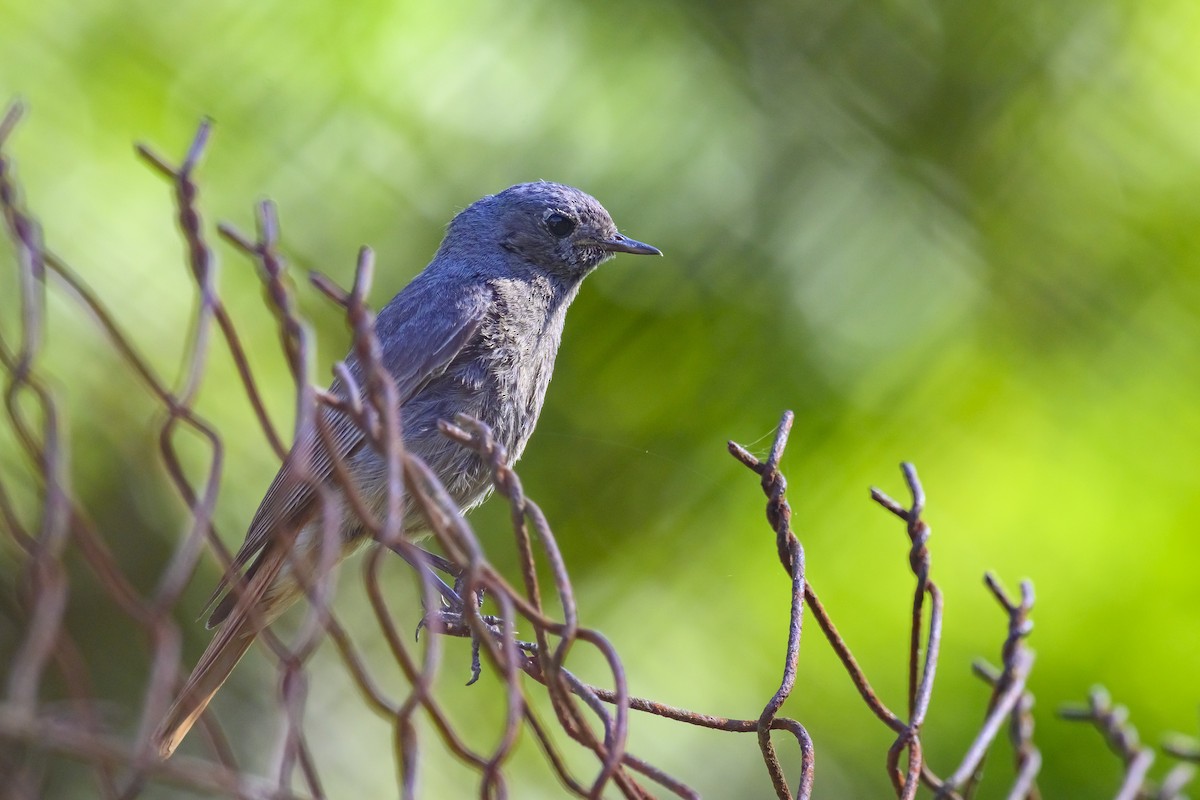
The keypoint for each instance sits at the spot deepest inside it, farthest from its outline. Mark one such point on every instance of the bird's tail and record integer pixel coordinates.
(258, 602)
(220, 657)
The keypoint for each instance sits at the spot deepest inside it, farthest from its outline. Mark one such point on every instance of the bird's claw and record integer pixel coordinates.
(454, 623)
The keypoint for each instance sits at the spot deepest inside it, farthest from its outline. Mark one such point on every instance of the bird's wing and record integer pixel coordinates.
(420, 346)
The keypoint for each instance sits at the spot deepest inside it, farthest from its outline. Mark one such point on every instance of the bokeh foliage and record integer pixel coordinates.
(961, 234)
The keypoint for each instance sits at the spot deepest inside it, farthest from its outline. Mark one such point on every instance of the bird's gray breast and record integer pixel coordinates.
(500, 377)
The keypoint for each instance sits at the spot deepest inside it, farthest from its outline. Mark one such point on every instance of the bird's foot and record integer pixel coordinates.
(451, 617)
(454, 623)
(451, 621)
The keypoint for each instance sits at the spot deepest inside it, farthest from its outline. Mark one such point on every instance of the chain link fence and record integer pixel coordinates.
(526, 632)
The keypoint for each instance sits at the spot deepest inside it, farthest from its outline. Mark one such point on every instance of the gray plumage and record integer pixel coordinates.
(476, 333)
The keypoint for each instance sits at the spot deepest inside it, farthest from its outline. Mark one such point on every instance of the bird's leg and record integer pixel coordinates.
(451, 619)
(493, 624)
(425, 564)
(441, 564)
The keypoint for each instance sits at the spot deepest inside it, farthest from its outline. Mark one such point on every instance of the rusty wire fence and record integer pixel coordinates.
(36, 731)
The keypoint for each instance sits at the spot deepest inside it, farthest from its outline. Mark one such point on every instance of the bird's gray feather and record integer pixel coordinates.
(424, 345)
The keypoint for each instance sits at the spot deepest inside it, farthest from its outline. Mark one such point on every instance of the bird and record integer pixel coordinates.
(476, 332)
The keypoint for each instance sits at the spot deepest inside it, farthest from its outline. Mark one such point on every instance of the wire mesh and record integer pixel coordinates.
(591, 718)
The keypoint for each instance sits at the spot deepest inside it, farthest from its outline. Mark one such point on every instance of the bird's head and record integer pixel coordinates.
(556, 228)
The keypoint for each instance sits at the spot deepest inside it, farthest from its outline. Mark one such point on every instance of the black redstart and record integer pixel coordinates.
(476, 333)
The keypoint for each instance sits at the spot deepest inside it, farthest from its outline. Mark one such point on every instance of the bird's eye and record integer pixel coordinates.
(559, 224)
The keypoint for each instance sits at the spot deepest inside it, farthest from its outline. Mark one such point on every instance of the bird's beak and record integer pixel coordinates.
(619, 243)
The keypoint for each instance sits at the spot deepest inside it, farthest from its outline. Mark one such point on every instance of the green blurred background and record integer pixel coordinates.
(961, 234)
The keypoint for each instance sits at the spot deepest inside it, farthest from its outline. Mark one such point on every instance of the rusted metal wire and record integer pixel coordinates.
(791, 556)
(1122, 738)
(1184, 748)
(1009, 699)
(596, 718)
(920, 673)
(1112, 722)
